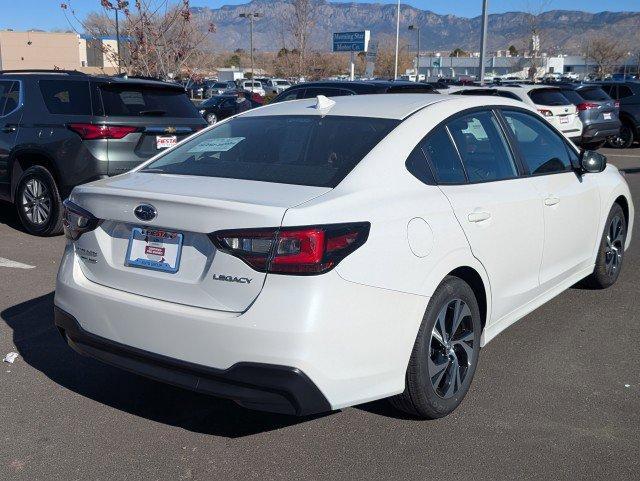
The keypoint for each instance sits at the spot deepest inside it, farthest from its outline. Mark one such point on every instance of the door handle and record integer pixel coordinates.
(478, 216)
(9, 128)
(551, 200)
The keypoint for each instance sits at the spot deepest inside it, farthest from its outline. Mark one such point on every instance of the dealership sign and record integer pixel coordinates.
(351, 41)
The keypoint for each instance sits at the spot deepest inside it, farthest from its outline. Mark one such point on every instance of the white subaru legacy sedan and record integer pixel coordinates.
(316, 254)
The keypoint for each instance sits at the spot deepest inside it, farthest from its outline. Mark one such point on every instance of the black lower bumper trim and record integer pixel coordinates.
(265, 387)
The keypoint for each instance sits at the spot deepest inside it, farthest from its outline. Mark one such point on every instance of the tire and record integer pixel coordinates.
(610, 252)
(624, 140)
(38, 202)
(429, 393)
(593, 145)
(211, 118)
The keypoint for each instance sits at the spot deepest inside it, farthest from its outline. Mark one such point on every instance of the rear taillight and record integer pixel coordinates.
(293, 250)
(99, 131)
(617, 104)
(77, 221)
(587, 106)
(545, 112)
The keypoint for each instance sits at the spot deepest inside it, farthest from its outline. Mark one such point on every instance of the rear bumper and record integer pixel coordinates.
(265, 387)
(351, 341)
(600, 131)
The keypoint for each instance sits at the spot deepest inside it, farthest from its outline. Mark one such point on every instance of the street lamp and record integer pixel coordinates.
(395, 75)
(483, 39)
(417, 29)
(251, 16)
(119, 5)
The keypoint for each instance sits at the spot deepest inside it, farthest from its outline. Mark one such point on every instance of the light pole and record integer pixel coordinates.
(395, 75)
(483, 40)
(119, 5)
(251, 16)
(417, 29)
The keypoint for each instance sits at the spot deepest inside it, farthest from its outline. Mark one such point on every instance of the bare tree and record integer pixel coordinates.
(301, 22)
(606, 52)
(161, 38)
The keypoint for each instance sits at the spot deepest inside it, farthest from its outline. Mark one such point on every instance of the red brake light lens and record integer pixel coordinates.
(77, 221)
(293, 250)
(617, 104)
(99, 131)
(545, 112)
(587, 106)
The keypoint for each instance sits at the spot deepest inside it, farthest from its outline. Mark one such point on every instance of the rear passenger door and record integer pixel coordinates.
(499, 211)
(10, 117)
(571, 202)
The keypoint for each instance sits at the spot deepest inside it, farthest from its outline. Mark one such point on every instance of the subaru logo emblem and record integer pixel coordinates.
(145, 212)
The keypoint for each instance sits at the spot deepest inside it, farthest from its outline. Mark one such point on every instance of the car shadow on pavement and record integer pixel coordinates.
(633, 170)
(40, 345)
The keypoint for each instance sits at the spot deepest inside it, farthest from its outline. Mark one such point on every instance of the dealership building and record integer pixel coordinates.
(453, 67)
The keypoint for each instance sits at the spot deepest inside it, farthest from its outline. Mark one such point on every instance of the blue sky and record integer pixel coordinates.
(46, 14)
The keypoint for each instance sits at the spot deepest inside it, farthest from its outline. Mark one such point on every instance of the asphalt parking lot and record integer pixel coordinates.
(556, 396)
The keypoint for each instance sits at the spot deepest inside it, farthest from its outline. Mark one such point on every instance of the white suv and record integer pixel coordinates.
(315, 254)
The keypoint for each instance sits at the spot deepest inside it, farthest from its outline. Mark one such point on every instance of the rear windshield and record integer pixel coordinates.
(302, 150)
(140, 101)
(574, 97)
(594, 93)
(548, 97)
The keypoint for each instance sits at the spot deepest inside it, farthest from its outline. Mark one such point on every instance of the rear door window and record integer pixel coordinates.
(543, 150)
(443, 156)
(624, 91)
(66, 97)
(572, 96)
(288, 149)
(482, 147)
(5, 88)
(140, 101)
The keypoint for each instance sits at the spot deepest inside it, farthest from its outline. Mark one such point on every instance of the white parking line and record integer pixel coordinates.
(15, 265)
(624, 155)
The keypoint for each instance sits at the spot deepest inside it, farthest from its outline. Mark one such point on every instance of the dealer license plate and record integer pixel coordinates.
(154, 249)
(166, 141)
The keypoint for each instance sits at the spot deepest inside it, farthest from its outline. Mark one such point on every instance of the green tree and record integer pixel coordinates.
(513, 51)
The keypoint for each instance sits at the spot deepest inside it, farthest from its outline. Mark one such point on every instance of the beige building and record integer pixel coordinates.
(38, 50)
(53, 50)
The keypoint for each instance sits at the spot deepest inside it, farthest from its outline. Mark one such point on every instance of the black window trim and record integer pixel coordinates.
(20, 97)
(512, 140)
(493, 109)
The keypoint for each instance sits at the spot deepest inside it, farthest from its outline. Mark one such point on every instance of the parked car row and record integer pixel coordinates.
(585, 113)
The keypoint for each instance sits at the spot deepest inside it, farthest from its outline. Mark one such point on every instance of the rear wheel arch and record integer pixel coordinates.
(624, 203)
(475, 281)
(630, 121)
(22, 160)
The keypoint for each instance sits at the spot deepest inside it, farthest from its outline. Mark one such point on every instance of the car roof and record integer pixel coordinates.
(64, 75)
(357, 84)
(384, 106)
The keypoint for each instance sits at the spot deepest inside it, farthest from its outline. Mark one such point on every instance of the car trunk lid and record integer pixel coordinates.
(191, 207)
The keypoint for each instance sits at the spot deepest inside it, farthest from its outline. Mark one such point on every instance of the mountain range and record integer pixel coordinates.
(560, 30)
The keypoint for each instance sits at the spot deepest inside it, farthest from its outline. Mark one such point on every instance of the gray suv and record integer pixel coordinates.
(598, 112)
(59, 129)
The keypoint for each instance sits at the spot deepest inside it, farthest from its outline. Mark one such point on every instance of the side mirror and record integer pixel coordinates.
(592, 161)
